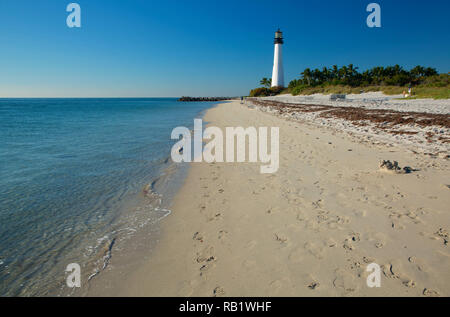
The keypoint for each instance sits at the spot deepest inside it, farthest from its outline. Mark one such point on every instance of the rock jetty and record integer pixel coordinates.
(205, 98)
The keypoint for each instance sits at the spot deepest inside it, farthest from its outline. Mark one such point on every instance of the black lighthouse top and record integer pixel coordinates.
(278, 37)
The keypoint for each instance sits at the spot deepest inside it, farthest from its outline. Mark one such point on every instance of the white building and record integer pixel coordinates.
(278, 71)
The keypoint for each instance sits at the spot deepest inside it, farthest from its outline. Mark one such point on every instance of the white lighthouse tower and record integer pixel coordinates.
(278, 72)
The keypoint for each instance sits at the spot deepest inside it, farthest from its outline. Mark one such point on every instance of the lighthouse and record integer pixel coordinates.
(278, 72)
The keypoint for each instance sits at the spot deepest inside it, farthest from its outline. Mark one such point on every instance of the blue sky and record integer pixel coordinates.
(146, 48)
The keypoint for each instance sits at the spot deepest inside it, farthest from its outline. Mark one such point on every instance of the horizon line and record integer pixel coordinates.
(112, 97)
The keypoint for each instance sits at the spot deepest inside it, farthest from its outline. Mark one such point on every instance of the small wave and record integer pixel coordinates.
(106, 258)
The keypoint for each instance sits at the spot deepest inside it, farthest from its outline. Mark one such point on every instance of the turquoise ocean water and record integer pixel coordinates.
(70, 173)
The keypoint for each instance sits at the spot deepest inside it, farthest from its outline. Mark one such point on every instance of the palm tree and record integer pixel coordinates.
(352, 70)
(429, 71)
(326, 74)
(377, 74)
(307, 75)
(343, 72)
(418, 71)
(335, 72)
(317, 75)
(352, 74)
(266, 82)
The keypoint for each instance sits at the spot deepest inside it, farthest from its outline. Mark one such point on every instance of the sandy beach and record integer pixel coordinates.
(311, 228)
(160, 149)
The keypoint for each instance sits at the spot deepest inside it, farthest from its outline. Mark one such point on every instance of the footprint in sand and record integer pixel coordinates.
(419, 263)
(389, 271)
(218, 291)
(422, 211)
(322, 216)
(397, 217)
(336, 220)
(414, 217)
(281, 238)
(345, 282)
(213, 217)
(430, 293)
(251, 244)
(205, 268)
(317, 204)
(409, 283)
(355, 237)
(313, 285)
(206, 255)
(198, 236)
(310, 282)
(348, 245)
(349, 242)
(222, 235)
(379, 239)
(443, 234)
(330, 243)
(275, 286)
(431, 236)
(394, 270)
(397, 225)
(301, 216)
(332, 225)
(355, 265)
(368, 259)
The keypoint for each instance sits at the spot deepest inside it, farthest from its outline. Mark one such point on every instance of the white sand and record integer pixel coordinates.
(372, 100)
(310, 229)
(433, 140)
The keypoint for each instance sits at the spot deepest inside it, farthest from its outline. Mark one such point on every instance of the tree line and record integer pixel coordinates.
(348, 79)
(350, 76)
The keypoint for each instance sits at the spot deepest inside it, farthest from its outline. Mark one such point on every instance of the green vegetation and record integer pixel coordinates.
(391, 80)
(265, 82)
(264, 92)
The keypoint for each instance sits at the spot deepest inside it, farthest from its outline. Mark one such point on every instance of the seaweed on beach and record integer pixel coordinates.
(383, 118)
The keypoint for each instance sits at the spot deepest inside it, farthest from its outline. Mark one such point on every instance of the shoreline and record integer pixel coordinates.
(80, 167)
(308, 230)
(124, 248)
(157, 196)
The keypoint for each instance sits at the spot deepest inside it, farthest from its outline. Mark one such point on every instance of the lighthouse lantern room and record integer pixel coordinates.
(278, 72)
